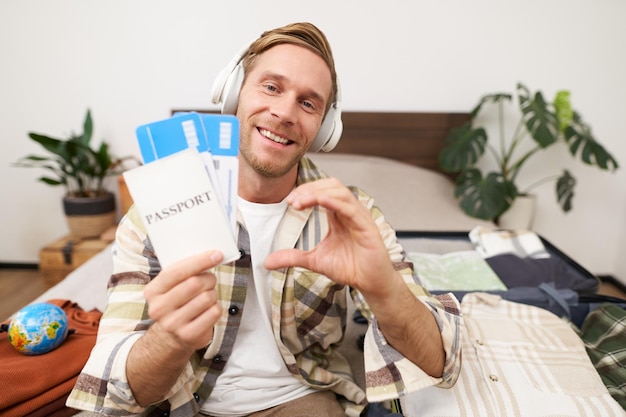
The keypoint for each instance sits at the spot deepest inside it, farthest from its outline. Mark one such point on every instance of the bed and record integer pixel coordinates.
(393, 157)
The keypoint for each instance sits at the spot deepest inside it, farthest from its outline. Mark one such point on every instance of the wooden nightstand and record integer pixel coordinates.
(62, 256)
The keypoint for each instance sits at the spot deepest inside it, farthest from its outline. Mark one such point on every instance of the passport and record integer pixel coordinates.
(179, 207)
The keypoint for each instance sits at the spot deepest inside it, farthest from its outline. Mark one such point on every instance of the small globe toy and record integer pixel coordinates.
(38, 328)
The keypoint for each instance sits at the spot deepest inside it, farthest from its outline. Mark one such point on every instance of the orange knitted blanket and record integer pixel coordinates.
(30, 384)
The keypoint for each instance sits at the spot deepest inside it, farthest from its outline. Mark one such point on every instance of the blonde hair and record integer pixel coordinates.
(303, 34)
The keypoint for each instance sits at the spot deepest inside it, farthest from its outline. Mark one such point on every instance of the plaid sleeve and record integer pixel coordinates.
(389, 374)
(604, 334)
(102, 385)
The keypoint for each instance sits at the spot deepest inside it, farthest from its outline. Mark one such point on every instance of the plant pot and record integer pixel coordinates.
(89, 216)
(520, 215)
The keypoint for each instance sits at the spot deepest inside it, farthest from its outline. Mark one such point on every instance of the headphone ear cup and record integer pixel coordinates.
(232, 87)
(335, 135)
(225, 90)
(329, 133)
(217, 90)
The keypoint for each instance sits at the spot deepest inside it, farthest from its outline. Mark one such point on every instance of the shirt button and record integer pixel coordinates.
(217, 358)
(242, 253)
(196, 397)
(165, 414)
(233, 310)
(493, 378)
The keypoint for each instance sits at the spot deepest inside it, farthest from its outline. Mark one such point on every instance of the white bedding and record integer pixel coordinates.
(412, 198)
(86, 285)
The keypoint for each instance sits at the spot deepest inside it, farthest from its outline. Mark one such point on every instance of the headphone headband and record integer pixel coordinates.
(227, 86)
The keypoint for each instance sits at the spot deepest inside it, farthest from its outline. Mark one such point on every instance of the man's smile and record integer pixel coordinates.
(273, 137)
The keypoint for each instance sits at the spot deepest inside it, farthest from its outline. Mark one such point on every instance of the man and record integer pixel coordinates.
(258, 336)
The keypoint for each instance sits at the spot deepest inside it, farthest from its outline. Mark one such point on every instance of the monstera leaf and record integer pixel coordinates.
(579, 138)
(565, 190)
(484, 197)
(563, 108)
(541, 122)
(464, 146)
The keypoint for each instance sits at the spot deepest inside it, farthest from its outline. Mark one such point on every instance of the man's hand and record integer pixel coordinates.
(353, 253)
(182, 301)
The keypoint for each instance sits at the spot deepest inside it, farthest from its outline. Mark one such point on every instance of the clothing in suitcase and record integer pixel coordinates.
(519, 266)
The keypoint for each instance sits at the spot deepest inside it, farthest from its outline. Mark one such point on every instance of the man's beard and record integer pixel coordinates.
(268, 169)
(271, 168)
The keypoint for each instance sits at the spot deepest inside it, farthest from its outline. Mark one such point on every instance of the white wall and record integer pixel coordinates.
(132, 61)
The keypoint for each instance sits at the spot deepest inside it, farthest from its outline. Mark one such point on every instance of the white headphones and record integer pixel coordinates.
(226, 91)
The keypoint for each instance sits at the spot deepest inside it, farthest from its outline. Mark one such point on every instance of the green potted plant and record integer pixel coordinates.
(488, 195)
(81, 169)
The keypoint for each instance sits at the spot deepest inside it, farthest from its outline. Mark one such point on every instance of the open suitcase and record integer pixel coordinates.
(554, 281)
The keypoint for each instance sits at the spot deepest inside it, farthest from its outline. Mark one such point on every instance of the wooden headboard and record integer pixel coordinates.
(413, 138)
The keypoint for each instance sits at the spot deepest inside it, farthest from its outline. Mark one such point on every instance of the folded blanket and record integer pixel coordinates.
(28, 383)
(523, 243)
(56, 408)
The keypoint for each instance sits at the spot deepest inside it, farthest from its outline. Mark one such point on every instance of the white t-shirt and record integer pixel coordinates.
(255, 376)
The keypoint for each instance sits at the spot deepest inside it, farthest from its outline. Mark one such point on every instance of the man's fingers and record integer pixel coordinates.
(286, 258)
(183, 269)
(335, 197)
(190, 312)
(196, 331)
(321, 192)
(198, 290)
(193, 334)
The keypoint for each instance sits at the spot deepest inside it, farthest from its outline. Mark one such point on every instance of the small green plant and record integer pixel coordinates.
(488, 195)
(74, 164)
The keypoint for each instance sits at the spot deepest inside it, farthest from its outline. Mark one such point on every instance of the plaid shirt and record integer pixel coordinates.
(518, 361)
(308, 312)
